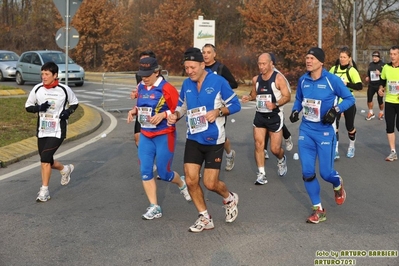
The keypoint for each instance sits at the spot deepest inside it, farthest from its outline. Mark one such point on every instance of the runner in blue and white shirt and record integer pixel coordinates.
(54, 103)
(208, 99)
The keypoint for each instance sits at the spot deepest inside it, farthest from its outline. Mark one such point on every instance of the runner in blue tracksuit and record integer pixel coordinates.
(317, 97)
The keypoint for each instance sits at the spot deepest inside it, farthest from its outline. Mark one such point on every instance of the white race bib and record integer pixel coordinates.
(393, 87)
(261, 101)
(374, 76)
(144, 116)
(48, 123)
(196, 120)
(311, 109)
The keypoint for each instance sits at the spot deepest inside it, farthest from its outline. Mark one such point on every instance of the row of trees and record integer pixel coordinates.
(113, 33)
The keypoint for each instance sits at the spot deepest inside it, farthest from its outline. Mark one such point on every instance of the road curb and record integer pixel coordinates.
(26, 148)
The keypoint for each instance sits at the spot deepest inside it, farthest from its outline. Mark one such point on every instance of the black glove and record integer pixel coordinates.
(330, 116)
(65, 114)
(294, 116)
(43, 107)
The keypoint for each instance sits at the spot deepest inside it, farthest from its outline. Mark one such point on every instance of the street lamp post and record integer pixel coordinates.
(320, 23)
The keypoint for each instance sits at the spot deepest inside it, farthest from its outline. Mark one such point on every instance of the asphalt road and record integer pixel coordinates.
(96, 219)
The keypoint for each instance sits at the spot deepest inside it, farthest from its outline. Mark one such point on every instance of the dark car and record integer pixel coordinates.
(30, 63)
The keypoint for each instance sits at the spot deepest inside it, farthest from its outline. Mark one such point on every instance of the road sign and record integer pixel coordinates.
(73, 35)
(62, 6)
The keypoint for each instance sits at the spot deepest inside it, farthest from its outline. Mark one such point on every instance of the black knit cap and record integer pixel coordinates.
(318, 53)
(376, 53)
(193, 54)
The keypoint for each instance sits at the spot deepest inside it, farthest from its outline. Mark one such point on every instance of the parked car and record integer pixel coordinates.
(8, 61)
(30, 63)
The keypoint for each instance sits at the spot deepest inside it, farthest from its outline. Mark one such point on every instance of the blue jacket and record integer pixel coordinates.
(328, 89)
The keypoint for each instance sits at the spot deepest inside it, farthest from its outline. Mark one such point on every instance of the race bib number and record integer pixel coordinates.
(374, 76)
(311, 109)
(261, 101)
(48, 124)
(196, 120)
(144, 117)
(393, 87)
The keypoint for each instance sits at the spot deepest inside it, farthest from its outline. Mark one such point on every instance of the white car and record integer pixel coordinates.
(8, 61)
(30, 63)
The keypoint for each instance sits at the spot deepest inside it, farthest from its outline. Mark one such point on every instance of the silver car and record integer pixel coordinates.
(8, 61)
(30, 63)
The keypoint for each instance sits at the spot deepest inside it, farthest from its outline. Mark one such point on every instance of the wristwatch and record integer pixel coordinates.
(220, 112)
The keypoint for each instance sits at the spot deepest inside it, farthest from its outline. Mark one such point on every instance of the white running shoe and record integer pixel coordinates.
(43, 195)
(230, 161)
(201, 224)
(260, 179)
(392, 157)
(336, 156)
(351, 152)
(66, 174)
(231, 208)
(289, 144)
(282, 167)
(154, 211)
(184, 190)
(266, 155)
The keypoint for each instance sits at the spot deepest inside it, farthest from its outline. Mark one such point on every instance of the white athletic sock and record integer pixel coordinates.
(229, 198)
(262, 170)
(371, 111)
(351, 143)
(205, 214)
(229, 154)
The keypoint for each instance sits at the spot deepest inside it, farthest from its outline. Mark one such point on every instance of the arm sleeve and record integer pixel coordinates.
(229, 77)
(356, 86)
(356, 83)
(298, 97)
(31, 103)
(171, 96)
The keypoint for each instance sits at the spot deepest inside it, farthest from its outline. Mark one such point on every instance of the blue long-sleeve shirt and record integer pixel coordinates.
(326, 91)
(215, 93)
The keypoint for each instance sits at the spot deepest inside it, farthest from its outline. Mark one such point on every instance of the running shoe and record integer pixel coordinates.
(260, 179)
(201, 224)
(351, 152)
(340, 194)
(43, 195)
(184, 190)
(66, 174)
(336, 157)
(231, 208)
(392, 157)
(154, 211)
(317, 216)
(289, 144)
(266, 155)
(370, 116)
(230, 161)
(282, 167)
(381, 116)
